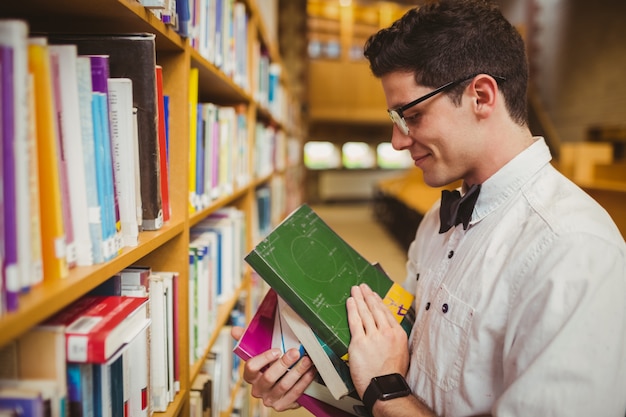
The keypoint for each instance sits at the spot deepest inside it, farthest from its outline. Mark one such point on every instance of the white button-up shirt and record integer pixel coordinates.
(523, 313)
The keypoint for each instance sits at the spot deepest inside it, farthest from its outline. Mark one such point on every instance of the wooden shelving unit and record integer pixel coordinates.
(167, 248)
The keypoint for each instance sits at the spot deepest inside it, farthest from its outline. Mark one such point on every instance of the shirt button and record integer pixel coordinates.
(450, 254)
(427, 306)
(444, 308)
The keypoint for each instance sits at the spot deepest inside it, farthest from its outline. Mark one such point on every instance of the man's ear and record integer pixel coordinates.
(484, 89)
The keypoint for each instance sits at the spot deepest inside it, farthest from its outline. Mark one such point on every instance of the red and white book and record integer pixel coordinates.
(99, 326)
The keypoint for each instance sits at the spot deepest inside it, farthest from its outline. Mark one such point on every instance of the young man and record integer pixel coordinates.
(520, 285)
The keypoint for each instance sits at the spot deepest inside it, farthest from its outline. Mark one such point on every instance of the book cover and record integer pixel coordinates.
(103, 327)
(163, 160)
(52, 395)
(137, 375)
(94, 210)
(25, 402)
(51, 215)
(159, 398)
(111, 227)
(80, 387)
(193, 126)
(11, 281)
(14, 35)
(72, 149)
(108, 386)
(134, 56)
(66, 206)
(313, 269)
(121, 119)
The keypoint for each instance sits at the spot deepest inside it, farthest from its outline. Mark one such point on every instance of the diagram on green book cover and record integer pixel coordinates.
(313, 269)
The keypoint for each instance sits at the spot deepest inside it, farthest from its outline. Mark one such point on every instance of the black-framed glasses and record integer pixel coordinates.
(397, 114)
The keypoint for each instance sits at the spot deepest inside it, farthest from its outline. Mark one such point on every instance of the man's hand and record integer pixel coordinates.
(277, 380)
(378, 344)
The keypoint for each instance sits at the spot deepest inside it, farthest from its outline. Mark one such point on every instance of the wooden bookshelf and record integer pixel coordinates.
(167, 248)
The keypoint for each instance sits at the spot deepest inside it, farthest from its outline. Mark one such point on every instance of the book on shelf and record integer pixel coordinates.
(80, 389)
(120, 95)
(313, 269)
(108, 386)
(98, 326)
(72, 148)
(163, 145)
(133, 56)
(22, 401)
(53, 396)
(37, 359)
(194, 204)
(66, 204)
(14, 35)
(51, 215)
(103, 154)
(11, 284)
(94, 208)
(265, 330)
(228, 223)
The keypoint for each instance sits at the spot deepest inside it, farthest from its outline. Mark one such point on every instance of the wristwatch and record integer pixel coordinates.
(383, 388)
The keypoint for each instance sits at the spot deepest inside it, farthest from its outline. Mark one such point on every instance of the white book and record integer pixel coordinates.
(123, 153)
(137, 372)
(159, 397)
(204, 325)
(94, 209)
(14, 34)
(307, 337)
(72, 147)
(138, 206)
(168, 283)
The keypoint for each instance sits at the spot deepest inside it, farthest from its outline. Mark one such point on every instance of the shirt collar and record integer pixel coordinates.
(510, 178)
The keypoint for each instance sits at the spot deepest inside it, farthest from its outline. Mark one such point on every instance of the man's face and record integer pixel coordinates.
(441, 136)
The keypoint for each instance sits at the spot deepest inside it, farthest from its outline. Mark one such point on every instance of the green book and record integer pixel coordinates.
(313, 269)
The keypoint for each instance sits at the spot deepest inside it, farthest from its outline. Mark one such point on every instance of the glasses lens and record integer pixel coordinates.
(399, 121)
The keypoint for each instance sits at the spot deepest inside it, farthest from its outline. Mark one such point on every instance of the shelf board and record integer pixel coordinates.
(92, 16)
(47, 298)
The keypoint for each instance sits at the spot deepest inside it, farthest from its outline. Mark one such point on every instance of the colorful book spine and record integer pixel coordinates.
(121, 119)
(51, 215)
(193, 126)
(73, 155)
(104, 150)
(14, 34)
(10, 271)
(163, 145)
(66, 208)
(94, 209)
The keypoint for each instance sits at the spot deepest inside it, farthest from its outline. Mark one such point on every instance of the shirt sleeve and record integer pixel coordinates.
(565, 346)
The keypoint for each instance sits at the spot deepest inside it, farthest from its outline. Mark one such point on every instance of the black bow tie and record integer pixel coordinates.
(456, 209)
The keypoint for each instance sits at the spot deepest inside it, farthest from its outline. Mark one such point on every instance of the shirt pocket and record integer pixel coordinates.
(442, 346)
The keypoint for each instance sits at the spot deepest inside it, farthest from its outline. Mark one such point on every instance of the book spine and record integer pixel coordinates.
(7, 119)
(94, 210)
(163, 146)
(121, 118)
(66, 208)
(52, 226)
(105, 199)
(13, 35)
(72, 150)
(80, 389)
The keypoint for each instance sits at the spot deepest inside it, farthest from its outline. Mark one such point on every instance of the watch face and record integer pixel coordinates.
(392, 386)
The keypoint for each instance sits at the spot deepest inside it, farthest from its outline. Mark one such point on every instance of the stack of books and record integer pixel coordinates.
(310, 270)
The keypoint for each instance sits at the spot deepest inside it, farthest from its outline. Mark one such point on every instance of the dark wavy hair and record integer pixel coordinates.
(447, 40)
